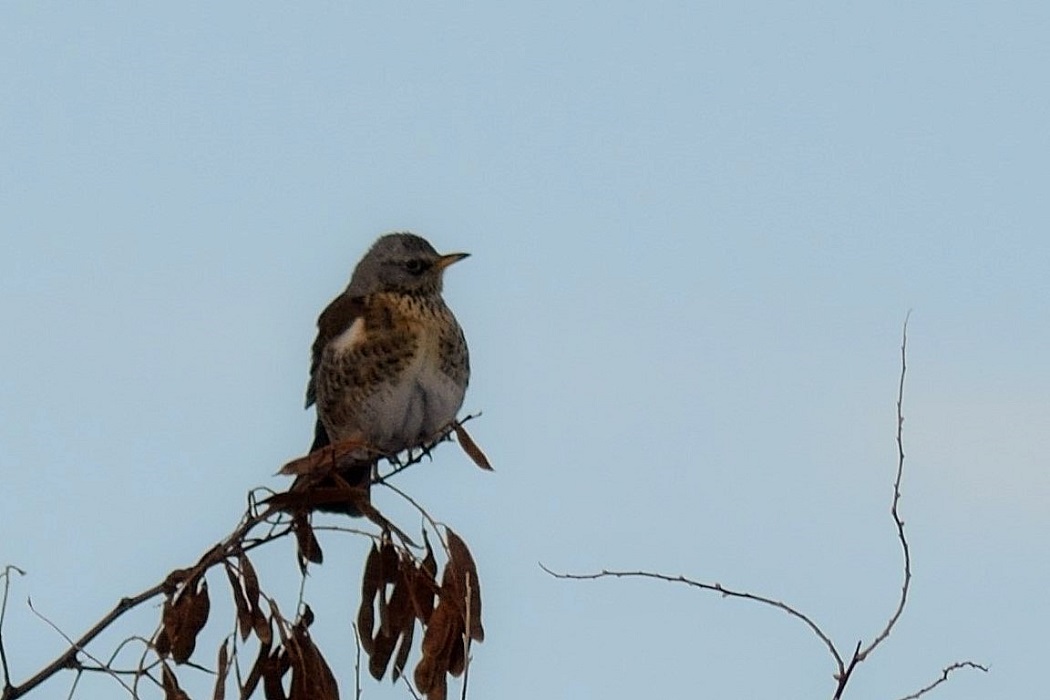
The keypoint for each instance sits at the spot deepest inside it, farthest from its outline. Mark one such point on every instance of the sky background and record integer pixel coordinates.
(696, 231)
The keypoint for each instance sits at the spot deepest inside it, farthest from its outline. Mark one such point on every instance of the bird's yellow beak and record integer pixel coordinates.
(446, 260)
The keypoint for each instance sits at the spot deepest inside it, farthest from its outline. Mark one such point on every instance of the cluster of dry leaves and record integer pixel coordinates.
(400, 588)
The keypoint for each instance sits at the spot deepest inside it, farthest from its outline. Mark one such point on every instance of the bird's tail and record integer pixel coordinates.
(343, 487)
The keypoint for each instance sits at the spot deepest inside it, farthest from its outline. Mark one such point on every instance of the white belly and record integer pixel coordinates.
(412, 412)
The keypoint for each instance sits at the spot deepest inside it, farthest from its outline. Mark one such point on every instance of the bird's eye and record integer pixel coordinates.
(416, 267)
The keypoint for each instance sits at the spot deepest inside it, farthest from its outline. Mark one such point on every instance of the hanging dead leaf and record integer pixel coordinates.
(405, 646)
(256, 672)
(312, 678)
(471, 448)
(309, 547)
(261, 625)
(240, 603)
(251, 580)
(170, 684)
(444, 630)
(274, 668)
(371, 582)
(162, 643)
(440, 689)
(221, 671)
(325, 460)
(382, 650)
(194, 607)
(465, 573)
(184, 615)
(423, 584)
(456, 658)
(389, 573)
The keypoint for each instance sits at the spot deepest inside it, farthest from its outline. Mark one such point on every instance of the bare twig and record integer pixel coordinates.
(441, 436)
(411, 689)
(860, 653)
(947, 671)
(67, 659)
(6, 576)
(74, 662)
(261, 523)
(843, 678)
(716, 588)
(466, 638)
(357, 662)
(894, 510)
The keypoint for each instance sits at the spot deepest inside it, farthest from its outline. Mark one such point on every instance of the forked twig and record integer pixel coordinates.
(894, 510)
(716, 588)
(6, 576)
(945, 672)
(844, 670)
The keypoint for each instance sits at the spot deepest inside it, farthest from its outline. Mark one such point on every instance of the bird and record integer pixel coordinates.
(390, 366)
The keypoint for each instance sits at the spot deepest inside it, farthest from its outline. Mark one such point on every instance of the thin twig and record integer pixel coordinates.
(843, 678)
(411, 689)
(73, 661)
(231, 544)
(947, 671)
(441, 436)
(434, 524)
(894, 510)
(466, 639)
(357, 662)
(6, 576)
(717, 588)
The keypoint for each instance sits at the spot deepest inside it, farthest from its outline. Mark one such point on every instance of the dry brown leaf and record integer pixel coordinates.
(163, 641)
(274, 668)
(193, 606)
(278, 620)
(445, 628)
(471, 448)
(309, 547)
(184, 615)
(312, 678)
(465, 571)
(382, 650)
(371, 582)
(389, 573)
(244, 611)
(221, 671)
(261, 625)
(256, 672)
(456, 658)
(251, 580)
(325, 459)
(403, 649)
(440, 689)
(422, 588)
(172, 691)
(423, 584)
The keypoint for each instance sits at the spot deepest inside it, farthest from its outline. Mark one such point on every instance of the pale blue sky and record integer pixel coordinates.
(696, 227)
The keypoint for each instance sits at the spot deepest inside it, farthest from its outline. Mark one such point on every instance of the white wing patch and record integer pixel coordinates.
(351, 337)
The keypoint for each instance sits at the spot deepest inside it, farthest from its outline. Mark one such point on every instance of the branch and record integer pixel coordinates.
(894, 510)
(716, 588)
(944, 677)
(6, 576)
(860, 653)
(67, 659)
(187, 603)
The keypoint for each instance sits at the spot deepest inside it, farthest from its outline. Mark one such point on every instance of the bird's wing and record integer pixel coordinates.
(336, 318)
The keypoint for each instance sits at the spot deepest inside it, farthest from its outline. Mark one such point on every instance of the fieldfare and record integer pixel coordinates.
(390, 366)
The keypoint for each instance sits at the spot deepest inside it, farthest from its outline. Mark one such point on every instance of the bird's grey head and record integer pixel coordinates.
(401, 262)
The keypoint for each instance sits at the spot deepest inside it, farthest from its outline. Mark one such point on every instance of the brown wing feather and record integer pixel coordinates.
(335, 319)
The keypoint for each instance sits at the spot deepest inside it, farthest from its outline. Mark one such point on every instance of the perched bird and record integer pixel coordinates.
(389, 366)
